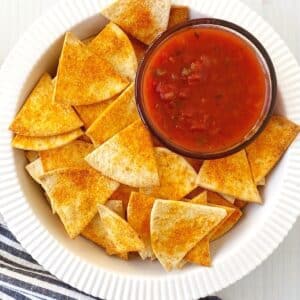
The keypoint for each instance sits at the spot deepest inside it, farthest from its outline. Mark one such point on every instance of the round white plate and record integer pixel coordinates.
(79, 262)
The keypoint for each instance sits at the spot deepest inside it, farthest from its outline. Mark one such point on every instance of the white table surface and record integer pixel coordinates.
(278, 278)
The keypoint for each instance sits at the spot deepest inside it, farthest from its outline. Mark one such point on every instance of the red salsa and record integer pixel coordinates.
(204, 89)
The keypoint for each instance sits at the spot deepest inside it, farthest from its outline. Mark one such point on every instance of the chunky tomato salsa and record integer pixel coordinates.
(204, 89)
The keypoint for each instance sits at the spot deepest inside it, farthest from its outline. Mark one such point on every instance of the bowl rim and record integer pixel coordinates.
(45, 249)
(271, 87)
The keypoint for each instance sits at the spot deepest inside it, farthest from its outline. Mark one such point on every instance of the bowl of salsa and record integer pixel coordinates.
(206, 88)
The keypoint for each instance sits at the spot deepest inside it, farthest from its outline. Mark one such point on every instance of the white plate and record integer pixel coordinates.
(82, 264)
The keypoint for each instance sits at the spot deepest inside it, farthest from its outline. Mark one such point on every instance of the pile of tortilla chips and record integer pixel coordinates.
(105, 176)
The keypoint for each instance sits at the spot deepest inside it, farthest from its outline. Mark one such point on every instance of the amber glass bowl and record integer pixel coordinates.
(264, 60)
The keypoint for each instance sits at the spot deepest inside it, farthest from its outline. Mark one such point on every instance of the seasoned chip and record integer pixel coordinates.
(230, 175)
(45, 143)
(69, 156)
(138, 216)
(83, 77)
(31, 155)
(123, 193)
(240, 204)
(121, 113)
(89, 113)
(39, 117)
(113, 44)
(178, 14)
(144, 20)
(177, 176)
(200, 254)
(96, 232)
(128, 157)
(268, 148)
(200, 199)
(231, 219)
(119, 232)
(139, 48)
(117, 207)
(35, 170)
(176, 227)
(75, 194)
(262, 182)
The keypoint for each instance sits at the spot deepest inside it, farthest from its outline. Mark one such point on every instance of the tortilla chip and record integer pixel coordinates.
(89, 113)
(119, 232)
(176, 227)
(228, 198)
(117, 207)
(230, 175)
(195, 163)
(178, 14)
(121, 113)
(177, 176)
(200, 199)
(232, 218)
(139, 48)
(39, 117)
(83, 77)
(267, 149)
(96, 232)
(76, 194)
(138, 216)
(35, 170)
(262, 182)
(113, 44)
(45, 143)
(69, 156)
(85, 138)
(128, 157)
(240, 204)
(123, 193)
(144, 20)
(200, 254)
(31, 155)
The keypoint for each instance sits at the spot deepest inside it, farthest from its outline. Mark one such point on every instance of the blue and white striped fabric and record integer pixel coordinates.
(22, 278)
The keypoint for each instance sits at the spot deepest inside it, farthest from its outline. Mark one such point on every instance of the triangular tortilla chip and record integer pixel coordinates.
(76, 194)
(128, 157)
(89, 113)
(121, 113)
(138, 216)
(176, 227)
(96, 232)
(69, 156)
(119, 232)
(232, 217)
(230, 175)
(83, 77)
(228, 198)
(139, 48)
(200, 254)
(113, 44)
(271, 144)
(177, 176)
(178, 14)
(45, 143)
(35, 170)
(144, 20)
(123, 193)
(39, 117)
(31, 155)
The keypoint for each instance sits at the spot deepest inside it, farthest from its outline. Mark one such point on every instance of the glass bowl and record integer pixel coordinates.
(262, 56)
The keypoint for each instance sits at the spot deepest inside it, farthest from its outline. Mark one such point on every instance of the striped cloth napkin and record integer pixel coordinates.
(22, 278)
